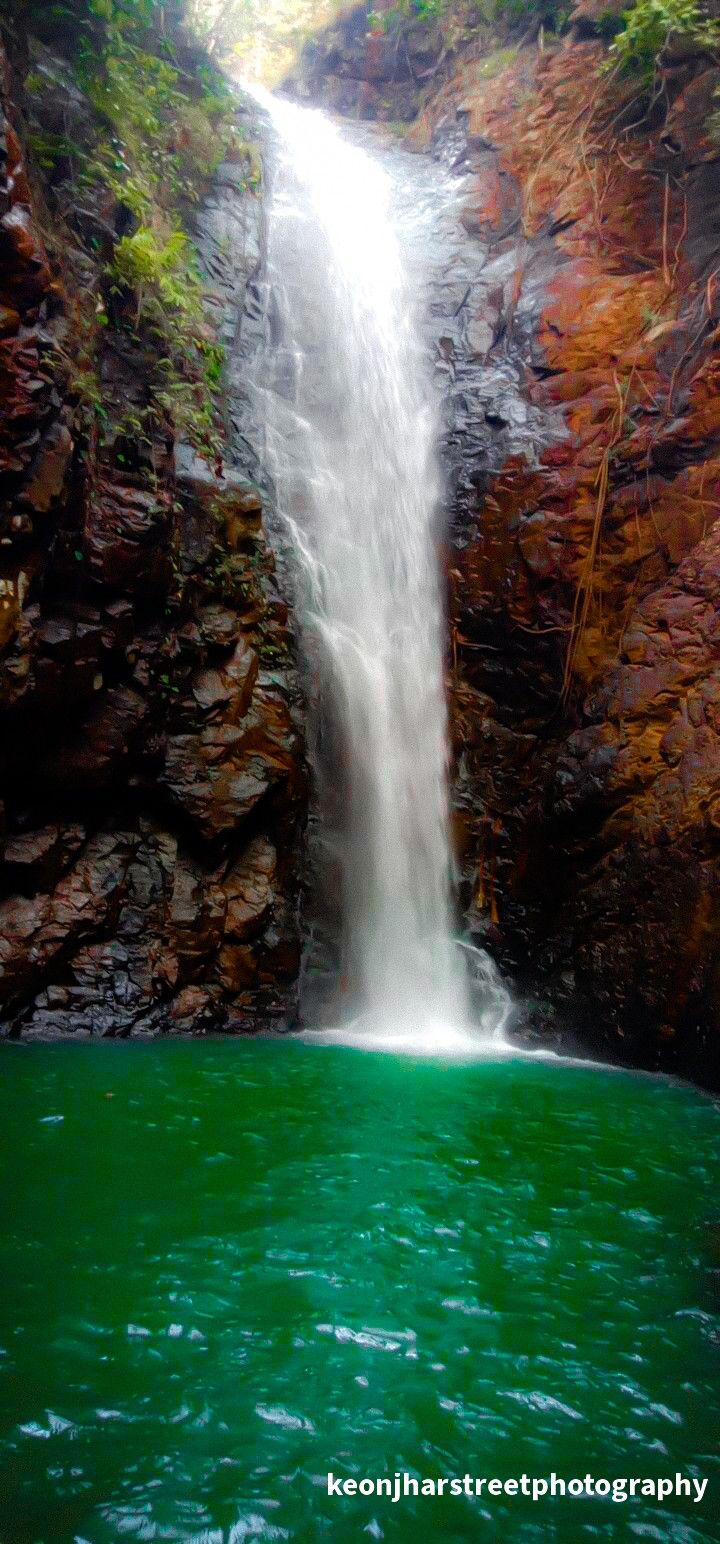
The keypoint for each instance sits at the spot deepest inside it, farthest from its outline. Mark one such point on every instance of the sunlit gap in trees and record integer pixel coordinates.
(258, 39)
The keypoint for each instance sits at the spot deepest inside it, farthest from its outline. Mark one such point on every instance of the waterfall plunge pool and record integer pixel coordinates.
(255, 1264)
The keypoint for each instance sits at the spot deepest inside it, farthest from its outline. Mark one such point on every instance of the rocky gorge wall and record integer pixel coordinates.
(584, 572)
(152, 751)
(153, 767)
(577, 339)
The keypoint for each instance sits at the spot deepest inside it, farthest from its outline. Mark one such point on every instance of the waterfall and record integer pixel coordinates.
(352, 446)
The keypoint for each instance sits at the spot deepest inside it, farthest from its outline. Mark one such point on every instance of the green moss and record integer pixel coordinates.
(160, 132)
(494, 63)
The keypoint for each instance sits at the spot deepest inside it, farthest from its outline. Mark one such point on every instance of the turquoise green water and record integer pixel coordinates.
(259, 1262)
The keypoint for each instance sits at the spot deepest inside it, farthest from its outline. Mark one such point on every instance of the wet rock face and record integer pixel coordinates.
(582, 389)
(152, 757)
(355, 68)
(574, 330)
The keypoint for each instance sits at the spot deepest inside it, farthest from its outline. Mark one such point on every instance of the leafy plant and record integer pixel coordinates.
(648, 28)
(49, 148)
(158, 135)
(157, 268)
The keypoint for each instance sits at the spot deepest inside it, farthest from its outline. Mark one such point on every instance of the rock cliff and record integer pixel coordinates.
(153, 769)
(152, 760)
(577, 336)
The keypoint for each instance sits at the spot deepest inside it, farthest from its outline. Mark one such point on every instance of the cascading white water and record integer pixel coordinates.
(352, 444)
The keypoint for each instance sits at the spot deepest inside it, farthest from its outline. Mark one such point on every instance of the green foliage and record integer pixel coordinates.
(713, 122)
(86, 388)
(219, 24)
(649, 26)
(160, 273)
(160, 134)
(263, 37)
(424, 10)
(506, 17)
(158, 270)
(165, 140)
(48, 149)
(406, 10)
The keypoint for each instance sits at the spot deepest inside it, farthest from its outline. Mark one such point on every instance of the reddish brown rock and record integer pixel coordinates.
(27, 276)
(219, 776)
(195, 918)
(94, 754)
(35, 932)
(236, 968)
(124, 541)
(192, 1011)
(138, 610)
(584, 566)
(219, 628)
(248, 890)
(9, 321)
(34, 860)
(226, 691)
(46, 474)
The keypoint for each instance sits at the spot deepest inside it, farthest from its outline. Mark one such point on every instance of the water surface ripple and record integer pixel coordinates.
(259, 1262)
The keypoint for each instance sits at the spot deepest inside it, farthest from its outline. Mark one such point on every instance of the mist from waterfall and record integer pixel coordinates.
(352, 447)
